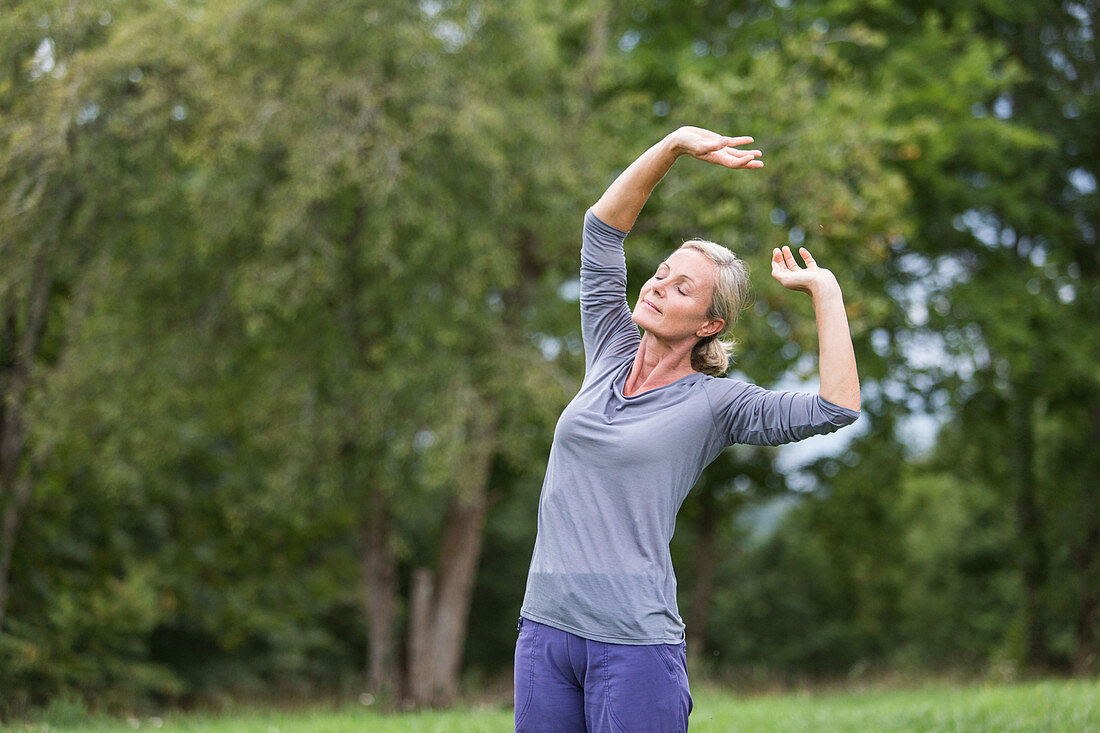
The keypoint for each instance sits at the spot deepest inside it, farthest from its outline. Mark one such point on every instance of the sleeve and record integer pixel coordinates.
(746, 413)
(606, 325)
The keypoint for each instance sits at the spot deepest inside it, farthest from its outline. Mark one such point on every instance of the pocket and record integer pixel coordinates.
(524, 677)
(669, 656)
(646, 688)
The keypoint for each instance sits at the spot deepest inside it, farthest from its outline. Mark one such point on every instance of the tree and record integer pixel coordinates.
(370, 251)
(1017, 230)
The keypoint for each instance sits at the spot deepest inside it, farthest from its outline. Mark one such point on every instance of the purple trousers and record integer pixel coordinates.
(565, 683)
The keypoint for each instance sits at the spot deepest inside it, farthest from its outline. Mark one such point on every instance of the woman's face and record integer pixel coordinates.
(673, 303)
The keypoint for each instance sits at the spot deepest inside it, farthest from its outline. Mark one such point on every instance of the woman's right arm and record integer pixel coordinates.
(623, 201)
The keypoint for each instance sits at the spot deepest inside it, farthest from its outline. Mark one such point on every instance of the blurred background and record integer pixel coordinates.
(288, 310)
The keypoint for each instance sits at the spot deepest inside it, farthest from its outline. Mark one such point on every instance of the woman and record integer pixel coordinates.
(601, 643)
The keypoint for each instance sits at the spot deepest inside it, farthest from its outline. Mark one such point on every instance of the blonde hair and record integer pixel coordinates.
(712, 355)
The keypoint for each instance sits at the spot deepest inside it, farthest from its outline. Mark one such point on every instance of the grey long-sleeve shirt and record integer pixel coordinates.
(620, 467)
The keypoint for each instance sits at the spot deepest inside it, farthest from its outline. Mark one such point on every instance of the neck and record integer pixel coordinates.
(658, 363)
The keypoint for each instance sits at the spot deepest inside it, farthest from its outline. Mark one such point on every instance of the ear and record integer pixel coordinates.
(711, 327)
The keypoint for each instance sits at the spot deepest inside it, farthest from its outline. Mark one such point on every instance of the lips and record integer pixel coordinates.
(652, 306)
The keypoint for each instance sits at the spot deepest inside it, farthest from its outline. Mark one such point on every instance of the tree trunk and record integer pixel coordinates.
(11, 446)
(439, 607)
(1088, 604)
(704, 578)
(380, 586)
(420, 671)
(10, 526)
(459, 556)
(1031, 556)
(377, 561)
(440, 602)
(1086, 557)
(15, 371)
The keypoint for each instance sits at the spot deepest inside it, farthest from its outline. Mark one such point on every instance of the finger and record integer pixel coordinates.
(732, 141)
(809, 258)
(743, 161)
(789, 258)
(735, 162)
(777, 259)
(715, 144)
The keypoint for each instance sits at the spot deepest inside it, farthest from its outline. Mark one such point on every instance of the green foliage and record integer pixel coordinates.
(294, 255)
(959, 586)
(321, 239)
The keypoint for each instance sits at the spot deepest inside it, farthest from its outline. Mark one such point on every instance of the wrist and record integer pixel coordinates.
(825, 287)
(672, 146)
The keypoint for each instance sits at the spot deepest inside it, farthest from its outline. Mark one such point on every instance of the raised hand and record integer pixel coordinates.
(837, 359)
(793, 277)
(625, 197)
(714, 148)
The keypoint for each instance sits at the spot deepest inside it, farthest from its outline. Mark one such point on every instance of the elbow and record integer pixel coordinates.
(843, 395)
(847, 401)
(856, 402)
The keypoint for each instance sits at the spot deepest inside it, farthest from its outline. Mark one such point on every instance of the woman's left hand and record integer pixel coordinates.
(836, 357)
(793, 277)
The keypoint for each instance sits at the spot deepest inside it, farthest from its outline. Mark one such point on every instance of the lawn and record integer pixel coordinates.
(1038, 706)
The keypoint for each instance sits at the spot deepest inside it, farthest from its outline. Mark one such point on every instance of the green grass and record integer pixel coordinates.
(1044, 706)
(1039, 706)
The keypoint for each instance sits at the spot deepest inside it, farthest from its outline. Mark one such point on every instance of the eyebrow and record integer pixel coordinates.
(685, 276)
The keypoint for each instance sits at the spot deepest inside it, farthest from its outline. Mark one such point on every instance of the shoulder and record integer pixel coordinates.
(723, 395)
(724, 390)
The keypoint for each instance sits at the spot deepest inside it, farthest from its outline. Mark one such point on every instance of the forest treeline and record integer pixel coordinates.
(288, 312)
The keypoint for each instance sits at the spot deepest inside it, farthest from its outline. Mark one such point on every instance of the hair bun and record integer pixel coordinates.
(713, 355)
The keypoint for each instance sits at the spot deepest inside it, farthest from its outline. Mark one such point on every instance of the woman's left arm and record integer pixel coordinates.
(837, 360)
